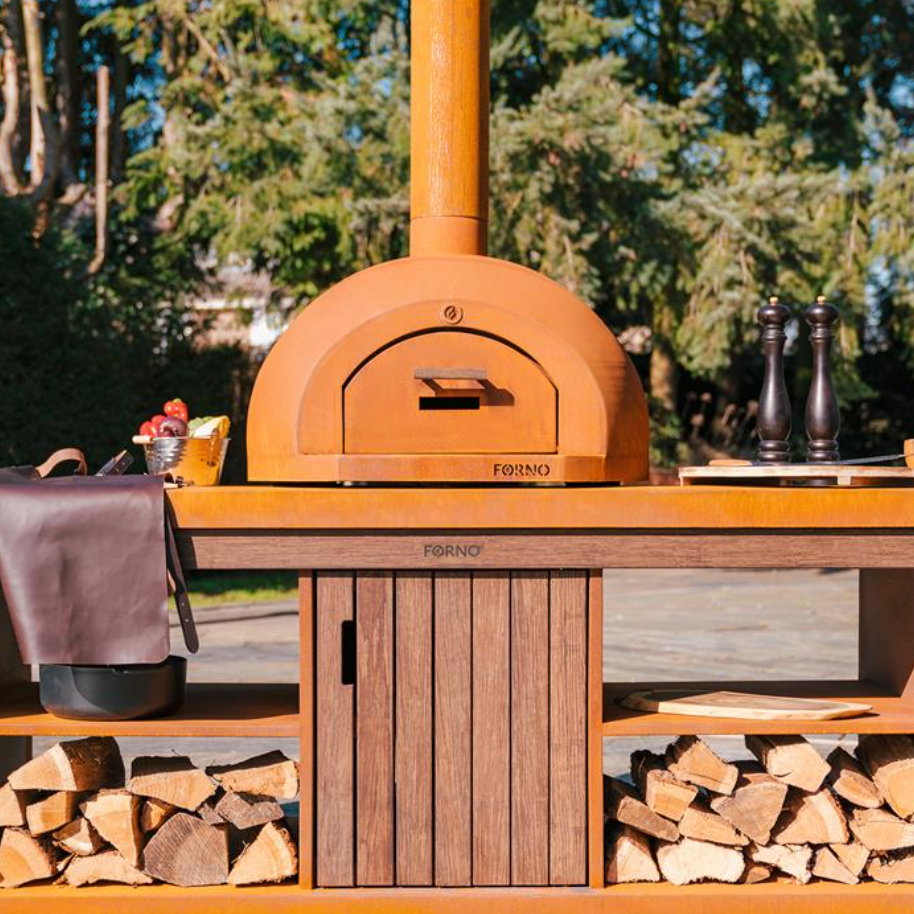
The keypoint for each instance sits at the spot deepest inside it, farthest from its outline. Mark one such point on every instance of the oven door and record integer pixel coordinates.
(450, 392)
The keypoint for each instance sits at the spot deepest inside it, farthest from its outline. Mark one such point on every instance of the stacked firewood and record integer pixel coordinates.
(692, 816)
(72, 815)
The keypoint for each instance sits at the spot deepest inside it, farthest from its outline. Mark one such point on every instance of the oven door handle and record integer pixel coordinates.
(451, 374)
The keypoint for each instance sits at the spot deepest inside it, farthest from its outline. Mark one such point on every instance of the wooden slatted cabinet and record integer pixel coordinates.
(451, 743)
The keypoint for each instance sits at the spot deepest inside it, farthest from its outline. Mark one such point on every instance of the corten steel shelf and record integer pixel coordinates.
(238, 710)
(890, 714)
(780, 896)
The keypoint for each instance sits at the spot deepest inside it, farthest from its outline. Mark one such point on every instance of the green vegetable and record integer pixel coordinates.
(194, 424)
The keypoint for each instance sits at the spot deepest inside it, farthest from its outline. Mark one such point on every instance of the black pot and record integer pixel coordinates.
(125, 692)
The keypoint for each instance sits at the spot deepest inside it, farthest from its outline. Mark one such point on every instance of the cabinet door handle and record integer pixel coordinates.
(347, 652)
(451, 374)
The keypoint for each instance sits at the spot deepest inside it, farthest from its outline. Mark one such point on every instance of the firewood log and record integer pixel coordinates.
(153, 814)
(13, 804)
(115, 815)
(621, 803)
(755, 804)
(703, 824)
(849, 781)
(896, 868)
(695, 861)
(25, 858)
(791, 759)
(879, 830)
(207, 812)
(53, 811)
(692, 760)
(186, 851)
(793, 860)
(245, 811)
(853, 855)
(889, 760)
(629, 857)
(755, 872)
(78, 837)
(268, 775)
(663, 792)
(812, 818)
(82, 764)
(828, 866)
(172, 778)
(108, 866)
(271, 857)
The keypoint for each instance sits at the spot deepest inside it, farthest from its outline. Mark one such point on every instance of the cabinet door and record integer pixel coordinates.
(451, 741)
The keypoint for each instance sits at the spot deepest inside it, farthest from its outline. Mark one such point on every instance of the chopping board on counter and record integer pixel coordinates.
(740, 705)
(733, 472)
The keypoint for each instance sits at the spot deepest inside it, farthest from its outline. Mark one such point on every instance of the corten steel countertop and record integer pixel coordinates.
(583, 527)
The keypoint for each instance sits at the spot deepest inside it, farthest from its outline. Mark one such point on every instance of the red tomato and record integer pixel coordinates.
(148, 429)
(156, 423)
(177, 408)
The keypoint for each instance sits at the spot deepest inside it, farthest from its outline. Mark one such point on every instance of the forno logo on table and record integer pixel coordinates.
(451, 551)
(521, 470)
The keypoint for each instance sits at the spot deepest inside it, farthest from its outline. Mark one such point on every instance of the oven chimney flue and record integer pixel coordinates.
(450, 127)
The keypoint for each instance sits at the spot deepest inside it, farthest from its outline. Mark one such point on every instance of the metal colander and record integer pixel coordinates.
(195, 461)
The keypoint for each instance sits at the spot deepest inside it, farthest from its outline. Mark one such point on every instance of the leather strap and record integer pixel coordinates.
(63, 456)
(182, 599)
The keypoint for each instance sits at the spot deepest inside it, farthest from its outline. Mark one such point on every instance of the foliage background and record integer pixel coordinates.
(673, 163)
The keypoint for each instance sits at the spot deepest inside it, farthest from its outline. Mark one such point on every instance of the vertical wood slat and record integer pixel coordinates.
(530, 728)
(374, 729)
(595, 862)
(491, 728)
(413, 744)
(452, 711)
(306, 729)
(335, 725)
(568, 728)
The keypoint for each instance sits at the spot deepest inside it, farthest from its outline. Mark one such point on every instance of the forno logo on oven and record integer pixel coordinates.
(521, 470)
(452, 551)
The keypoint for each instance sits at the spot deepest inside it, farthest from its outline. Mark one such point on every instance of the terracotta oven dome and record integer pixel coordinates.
(448, 366)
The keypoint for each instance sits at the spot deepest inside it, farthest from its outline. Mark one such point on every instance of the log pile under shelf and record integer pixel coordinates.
(74, 816)
(692, 816)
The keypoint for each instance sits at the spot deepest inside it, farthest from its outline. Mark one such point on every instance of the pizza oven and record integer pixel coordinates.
(448, 366)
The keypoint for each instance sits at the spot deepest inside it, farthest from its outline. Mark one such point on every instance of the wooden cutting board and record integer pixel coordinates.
(734, 473)
(740, 705)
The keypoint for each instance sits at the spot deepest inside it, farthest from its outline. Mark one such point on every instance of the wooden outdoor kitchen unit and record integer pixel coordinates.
(444, 448)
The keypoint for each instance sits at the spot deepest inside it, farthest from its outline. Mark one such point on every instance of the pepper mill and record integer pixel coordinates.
(774, 403)
(823, 419)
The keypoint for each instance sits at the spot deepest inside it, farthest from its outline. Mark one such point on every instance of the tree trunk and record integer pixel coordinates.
(9, 179)
(664, 375)
(102, 125)
(664, 371)
(45, 147)
(119, 93)
(173, 60)
(68, 89)
(12, 22)
(738, 116)
(668, 52)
